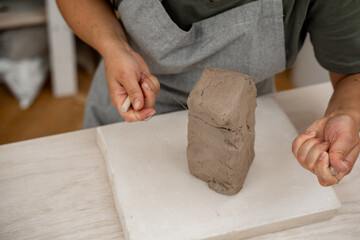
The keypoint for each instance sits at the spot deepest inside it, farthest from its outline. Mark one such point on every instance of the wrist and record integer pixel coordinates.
(111, 46)
(353, 113)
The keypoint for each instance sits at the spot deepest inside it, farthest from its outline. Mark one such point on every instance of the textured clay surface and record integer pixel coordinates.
(221, 113)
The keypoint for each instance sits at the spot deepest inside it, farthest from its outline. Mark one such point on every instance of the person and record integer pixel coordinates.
(171, 42)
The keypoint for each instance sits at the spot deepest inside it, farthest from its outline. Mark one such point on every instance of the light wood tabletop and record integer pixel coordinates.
(57, 187)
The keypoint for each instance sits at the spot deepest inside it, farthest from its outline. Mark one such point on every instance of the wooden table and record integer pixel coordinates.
(57, 187)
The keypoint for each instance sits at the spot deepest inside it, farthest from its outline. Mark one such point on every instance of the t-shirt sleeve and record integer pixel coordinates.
(334, 28)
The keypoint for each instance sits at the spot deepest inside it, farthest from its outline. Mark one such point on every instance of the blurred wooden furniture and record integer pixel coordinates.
(12, 19)
(61, 43)
(62, 53)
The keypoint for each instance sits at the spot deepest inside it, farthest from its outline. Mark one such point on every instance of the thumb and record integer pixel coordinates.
(340, 148)
(132, 88)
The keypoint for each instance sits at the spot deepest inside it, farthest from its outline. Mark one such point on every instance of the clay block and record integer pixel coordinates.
(221, 113)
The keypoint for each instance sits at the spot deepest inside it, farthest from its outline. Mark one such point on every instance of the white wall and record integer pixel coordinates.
(307, 70)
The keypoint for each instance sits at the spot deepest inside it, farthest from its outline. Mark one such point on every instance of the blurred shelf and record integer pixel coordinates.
(15, 19)
(61, 40)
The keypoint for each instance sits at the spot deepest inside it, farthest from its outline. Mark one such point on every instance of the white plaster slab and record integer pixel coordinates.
(157, 198)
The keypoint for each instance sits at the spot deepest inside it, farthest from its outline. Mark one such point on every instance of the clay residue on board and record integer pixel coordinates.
(221, 113)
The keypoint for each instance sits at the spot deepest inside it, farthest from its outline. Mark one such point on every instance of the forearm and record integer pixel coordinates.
(94, 22)
(346, 97)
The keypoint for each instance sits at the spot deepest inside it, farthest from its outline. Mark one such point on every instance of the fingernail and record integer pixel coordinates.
(310, 133)
(147, 86)
(151, 113)
(326, 143)
(137, 104)
(344, 164)
(322, 156)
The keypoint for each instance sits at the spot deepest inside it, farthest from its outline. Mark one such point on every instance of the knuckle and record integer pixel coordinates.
(313, 141)
(136, 116)
(309, 165)
(122, 75)
(155, 80)
(339, 152)
(319, 147)
(127, 118)
(310, 128)
(134, 92)
(155, 83)
(301, 159)
(324, 184)
(323, 181)
(303, 138)
(294, 146)
(293, 149)
(317, 171)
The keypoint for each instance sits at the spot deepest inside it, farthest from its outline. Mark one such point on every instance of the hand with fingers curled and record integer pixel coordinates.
(329, 148)
(127, 74)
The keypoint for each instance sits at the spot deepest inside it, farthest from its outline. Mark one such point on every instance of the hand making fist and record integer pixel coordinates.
(332, 141)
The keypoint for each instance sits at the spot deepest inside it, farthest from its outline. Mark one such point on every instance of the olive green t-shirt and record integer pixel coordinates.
(334, 27)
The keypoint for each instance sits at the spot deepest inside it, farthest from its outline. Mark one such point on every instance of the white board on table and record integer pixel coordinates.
(157, 198)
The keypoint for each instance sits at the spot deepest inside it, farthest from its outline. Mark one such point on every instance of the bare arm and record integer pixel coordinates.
(94, 22)
(127, 74)
(346, 96)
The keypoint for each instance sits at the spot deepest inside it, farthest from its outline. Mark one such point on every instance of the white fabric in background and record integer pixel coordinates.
(24, 77)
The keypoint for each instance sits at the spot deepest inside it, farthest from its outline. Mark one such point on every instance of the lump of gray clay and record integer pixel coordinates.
(221, 114)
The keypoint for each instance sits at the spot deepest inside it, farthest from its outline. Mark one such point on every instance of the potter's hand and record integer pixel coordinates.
(127, 74)
(330, 141)
(126, 71)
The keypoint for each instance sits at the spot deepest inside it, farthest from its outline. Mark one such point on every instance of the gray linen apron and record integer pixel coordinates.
(247, 39)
